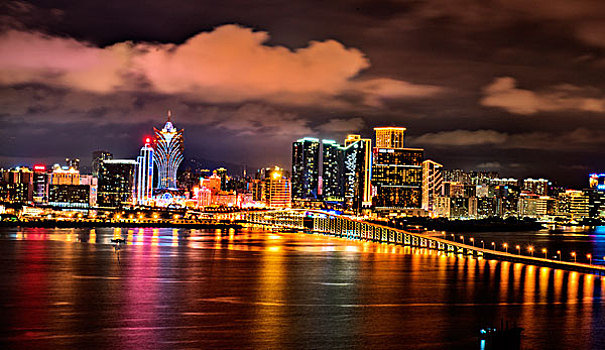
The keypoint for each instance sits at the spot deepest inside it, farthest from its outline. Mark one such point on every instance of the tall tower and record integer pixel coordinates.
(358, 171)
(168, 154)
(396, 171)
(144, 174)
(432, 183)
(332, 175)
(305, 168)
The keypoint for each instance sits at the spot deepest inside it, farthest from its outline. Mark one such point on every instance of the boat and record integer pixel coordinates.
(118, 240)
(503, 338)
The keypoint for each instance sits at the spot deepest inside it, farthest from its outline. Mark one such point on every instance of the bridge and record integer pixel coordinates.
(317, 221)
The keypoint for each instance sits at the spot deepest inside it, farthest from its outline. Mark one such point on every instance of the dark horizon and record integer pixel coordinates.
(511, 86)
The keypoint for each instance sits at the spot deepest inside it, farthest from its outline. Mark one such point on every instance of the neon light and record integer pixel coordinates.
(39, 167)
(168, 154)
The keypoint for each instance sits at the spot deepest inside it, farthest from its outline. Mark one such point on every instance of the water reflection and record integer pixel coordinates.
(259, 289)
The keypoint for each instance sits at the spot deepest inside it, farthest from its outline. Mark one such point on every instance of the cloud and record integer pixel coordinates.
(231, 64)
(342, 125)
(37, 58)
(489, 165)
(256, 119)
(462, 138)
(503, 93)
(580, 138)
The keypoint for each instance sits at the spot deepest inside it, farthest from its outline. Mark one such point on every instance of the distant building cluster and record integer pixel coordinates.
(150, 180)
(385, 178)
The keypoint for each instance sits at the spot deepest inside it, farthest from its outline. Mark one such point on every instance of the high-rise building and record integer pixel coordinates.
(396, 172)
(80, 195)
(597, 181)
(73, 163)
(168, 155)
(332, 175)
(144, 174)
(41, 182)
(390, 137)
(222, 173)
(357, 172)
(60, 176)
(305, 168)
(535, 206)
(432, 183)
(73, 196)
(536, 186)
(16, 185)
(574, 204)
(278, 190)
(97, 158)
(116, 182)
(505, 182)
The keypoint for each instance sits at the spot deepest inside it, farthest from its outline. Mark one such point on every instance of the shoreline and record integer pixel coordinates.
(95, 224)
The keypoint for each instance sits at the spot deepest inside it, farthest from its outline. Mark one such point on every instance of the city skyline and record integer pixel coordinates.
(507, 87)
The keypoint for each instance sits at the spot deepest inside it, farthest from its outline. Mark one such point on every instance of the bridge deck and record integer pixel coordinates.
(349, 228)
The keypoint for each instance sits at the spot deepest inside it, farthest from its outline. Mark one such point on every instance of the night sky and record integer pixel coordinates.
(514, 86)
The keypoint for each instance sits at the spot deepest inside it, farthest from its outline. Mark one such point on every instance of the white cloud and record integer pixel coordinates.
(503, 93)
(230, 64)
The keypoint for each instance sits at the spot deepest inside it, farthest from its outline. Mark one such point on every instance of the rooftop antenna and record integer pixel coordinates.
(169, 114)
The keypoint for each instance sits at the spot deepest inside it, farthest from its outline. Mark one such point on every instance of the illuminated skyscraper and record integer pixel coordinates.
(116, 182)
(536, 186)
(277, 189)
(597, 181)
(144, 174)
(396, 172)
(358, 171)
(432, 184)
(333, 171)
(390, 137)
(97, 158)
(168, 154)
(305, 168)
(73, 163)
(41, 183)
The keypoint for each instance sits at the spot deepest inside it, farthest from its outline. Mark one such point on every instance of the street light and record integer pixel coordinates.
(575, 259)
(473, 241)
(544, 251)
(483, 245)
(531, 250)
(505, 247)
(518, 249)
(589, 256)
(559, 254)
(462, 238)
(493, 245)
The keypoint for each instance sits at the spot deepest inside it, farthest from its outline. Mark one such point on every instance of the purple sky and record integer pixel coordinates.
(509, 85)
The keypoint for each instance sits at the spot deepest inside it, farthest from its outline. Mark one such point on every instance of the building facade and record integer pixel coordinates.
(97, 158)
(396, 171)
(168, 155)
(432, 183)
(144, 174)
(116, 183)
(305, 168)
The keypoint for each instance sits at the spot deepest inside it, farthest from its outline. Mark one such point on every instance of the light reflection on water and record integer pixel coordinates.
(258, 289)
